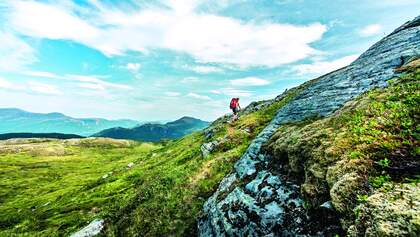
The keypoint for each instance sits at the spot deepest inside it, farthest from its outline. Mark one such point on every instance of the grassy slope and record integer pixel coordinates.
(176, 181)
(371, 143)
(59, 188)
(54, 188)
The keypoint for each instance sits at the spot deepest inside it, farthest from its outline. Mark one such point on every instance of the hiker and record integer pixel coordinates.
(235, 107)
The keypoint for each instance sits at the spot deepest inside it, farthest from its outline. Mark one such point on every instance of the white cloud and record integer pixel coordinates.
(51, 21)
(249, 81)
(44, 88)
(31, 86)
(205, 69)
(172, 94)
(92, 86)
(216, 92)
(232, 92)
(40, 74)
(370, 30)
(5, 84)
(184, 6)
(15, 53)
(189, 80)
(208, 38)
(197, 96)
(96, 80)
(88, 81)
(133, 67)
(226, 40)
(322, 67)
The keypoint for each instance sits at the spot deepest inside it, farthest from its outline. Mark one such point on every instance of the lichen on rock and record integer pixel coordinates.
(394, 212)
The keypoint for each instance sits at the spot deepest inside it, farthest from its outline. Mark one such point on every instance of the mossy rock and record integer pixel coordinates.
(338, 156)
(344, 192)
(394, 212)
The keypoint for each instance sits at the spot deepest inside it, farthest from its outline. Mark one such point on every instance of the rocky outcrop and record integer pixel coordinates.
(208, 147)
(395, 212)
(257, 199)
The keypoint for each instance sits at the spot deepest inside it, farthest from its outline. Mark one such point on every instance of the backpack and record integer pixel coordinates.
(233, 103)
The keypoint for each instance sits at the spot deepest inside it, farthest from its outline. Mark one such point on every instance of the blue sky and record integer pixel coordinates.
(160, 60)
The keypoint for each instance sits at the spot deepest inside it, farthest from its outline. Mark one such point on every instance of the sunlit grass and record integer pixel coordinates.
(47, 194)
(55, 188)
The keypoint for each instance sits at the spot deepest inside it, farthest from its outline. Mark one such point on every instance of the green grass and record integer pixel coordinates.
(52, 188)
(49, 195)
(175, 183)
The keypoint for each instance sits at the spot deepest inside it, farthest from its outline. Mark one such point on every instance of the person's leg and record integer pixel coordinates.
(235, 114)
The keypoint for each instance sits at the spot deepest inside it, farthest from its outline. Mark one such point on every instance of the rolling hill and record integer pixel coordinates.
(156, 132)
(6, 136)
(14, 120)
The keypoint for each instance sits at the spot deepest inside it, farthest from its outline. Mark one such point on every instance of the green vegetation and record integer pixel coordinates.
(384, 162)
(380, 129)
(369, 146)
(153, 132)
(53, 187)
(362, 198)
(385, 129)
(379, 181)
(172, 189)
(414, 180)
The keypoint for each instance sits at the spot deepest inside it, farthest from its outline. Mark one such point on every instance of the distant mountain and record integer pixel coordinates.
(19, 121)
(38, 135)
(156, 132)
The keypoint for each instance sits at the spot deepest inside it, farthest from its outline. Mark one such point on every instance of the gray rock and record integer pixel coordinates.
(93, 229)
(244, 204)
(395, 212)
(208, 147)
(327, 205)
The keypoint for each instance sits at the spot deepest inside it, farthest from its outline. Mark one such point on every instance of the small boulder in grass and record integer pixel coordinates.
(107, 175)
(130, 165)
(93, 229)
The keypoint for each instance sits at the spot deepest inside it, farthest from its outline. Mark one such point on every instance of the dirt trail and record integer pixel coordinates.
(230, 130)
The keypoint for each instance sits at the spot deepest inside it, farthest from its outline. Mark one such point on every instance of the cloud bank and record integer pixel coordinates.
(206, 37)
(370, 30)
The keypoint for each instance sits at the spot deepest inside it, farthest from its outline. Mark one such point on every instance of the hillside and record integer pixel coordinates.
(342, 154)
(20, 121)
(52, 187)
(355, 172)
(6, 136)
(156, 132)
(64, 184)
(337, 155)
